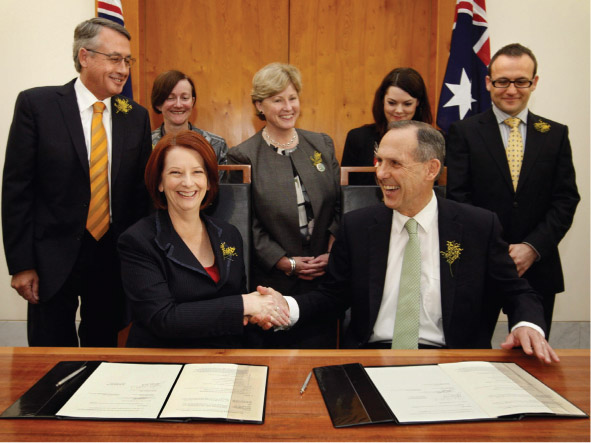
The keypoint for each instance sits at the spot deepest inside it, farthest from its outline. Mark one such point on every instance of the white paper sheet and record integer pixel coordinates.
(122, 390)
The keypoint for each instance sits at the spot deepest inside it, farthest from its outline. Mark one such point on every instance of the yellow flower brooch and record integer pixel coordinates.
(541, 126)
(228, 251)
(452, 254)
(317, 161)
(122, 105)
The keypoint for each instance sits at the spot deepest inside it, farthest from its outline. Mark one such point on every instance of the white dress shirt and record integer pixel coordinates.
(86, 100)
(430, 316)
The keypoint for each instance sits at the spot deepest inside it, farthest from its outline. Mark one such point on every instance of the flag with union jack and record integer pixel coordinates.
(463, 92)
(112, 10)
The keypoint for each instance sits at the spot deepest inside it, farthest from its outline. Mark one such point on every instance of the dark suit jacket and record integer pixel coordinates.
(174, 302)
(483, 276)
(275, 217)
(541, 211)
(359, 151)
(46, 184)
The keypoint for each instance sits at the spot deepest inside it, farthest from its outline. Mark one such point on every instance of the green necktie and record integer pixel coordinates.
(514, 149)
(406, 326)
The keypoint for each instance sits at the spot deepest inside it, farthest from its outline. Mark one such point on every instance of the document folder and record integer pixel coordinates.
(451, 392)
(239, 392)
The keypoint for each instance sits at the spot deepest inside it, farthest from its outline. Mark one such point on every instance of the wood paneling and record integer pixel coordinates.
(342, 47)
(220, 44)
(345, 47)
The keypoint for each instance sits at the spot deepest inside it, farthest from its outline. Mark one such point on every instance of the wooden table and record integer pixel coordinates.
(290, 416)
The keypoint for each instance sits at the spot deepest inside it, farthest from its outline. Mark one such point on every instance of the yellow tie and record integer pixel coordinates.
(98, 211)
(514, 149)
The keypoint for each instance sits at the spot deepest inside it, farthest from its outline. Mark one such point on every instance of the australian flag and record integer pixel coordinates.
(112, 10)
(464, 88)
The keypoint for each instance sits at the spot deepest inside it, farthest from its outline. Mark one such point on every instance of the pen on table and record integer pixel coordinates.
(305, 385)
(69, 377)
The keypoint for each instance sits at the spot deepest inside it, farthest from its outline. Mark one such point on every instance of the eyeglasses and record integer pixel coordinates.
(116, 59)
(504, 83)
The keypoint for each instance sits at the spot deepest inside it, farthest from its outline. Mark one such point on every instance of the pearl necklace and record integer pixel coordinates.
(279, 145)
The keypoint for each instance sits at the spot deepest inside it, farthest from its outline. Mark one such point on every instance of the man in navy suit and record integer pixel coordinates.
(465, 268)
(538, 209)
(46, 192)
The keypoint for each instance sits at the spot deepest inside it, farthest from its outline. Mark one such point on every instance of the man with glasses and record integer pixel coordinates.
(73, 181)
(520, 166)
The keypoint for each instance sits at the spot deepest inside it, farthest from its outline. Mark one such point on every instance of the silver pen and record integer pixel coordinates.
(305, 385)
(69, 377)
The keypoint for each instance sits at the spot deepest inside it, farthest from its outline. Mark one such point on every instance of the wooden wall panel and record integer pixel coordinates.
(345, 47)
(220, 44)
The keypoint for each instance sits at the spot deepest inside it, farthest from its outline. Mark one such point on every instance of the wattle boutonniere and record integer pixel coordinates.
(542, 126)
(317, 161)
(452, 254)
(122, 105)
(228, 251)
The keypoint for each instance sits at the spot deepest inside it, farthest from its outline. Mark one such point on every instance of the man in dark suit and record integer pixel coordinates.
(464, 268)
(73, 181)
(535, 195)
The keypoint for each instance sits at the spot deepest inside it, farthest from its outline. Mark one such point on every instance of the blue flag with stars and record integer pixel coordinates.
(463, 92)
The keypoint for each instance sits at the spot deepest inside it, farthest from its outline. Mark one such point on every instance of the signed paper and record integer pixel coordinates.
(464, 391)
(423, 393)
(122, 390)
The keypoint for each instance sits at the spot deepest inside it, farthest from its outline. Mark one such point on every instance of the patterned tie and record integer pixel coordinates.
(406, 326)
(514, 149)
(98, 211)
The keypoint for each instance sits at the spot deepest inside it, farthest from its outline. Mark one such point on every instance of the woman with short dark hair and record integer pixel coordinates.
(174, 96)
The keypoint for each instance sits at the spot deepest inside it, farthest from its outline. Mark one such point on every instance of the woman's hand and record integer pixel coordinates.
(267, 308)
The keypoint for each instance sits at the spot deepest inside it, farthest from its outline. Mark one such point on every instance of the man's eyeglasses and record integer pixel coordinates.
(116, 59)
(504, 83)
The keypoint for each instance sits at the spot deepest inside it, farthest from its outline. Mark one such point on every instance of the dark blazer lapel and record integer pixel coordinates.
(449, 230)
(68, 104)
(224, 262)
(118, 136)
(169, 241)
(492, 141)
(534, 142)
(378, 243)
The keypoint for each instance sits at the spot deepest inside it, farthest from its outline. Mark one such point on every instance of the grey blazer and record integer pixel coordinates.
(275, 215)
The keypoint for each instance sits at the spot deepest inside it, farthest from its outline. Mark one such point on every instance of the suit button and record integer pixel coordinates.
(85, 205)
(515, 204)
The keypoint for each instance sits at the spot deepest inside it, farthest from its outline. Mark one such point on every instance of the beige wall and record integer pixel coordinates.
(36, 38)
(37, 53)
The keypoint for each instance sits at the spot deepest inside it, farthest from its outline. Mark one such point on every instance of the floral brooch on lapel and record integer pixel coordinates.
(228, 251)
(122, 105)
(317, 161)
(452, 254)
(541, 126)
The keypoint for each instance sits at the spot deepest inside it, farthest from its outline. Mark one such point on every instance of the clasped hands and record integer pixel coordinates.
(265, 307)
(307, 268)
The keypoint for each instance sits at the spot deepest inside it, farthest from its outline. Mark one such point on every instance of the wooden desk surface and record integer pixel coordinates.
(290, 416)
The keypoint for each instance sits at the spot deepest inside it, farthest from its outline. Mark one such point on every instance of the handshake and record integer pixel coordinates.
(265, 307)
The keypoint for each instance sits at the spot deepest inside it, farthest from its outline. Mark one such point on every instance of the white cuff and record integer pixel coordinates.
(526, 323)
(294, 313)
